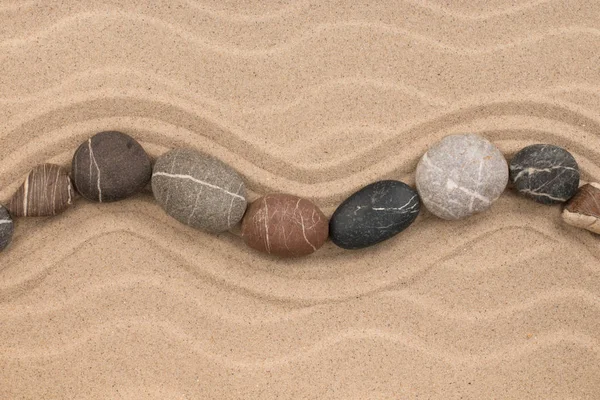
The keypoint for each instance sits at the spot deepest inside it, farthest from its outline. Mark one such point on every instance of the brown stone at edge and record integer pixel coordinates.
(586, 201)
(284, 225)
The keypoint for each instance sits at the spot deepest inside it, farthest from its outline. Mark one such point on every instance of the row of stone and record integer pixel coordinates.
(459, 176)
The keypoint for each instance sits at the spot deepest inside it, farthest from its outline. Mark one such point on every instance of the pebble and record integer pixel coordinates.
(373, 214)
(545, 173)
(199, 190)
(284, 225)
(461, 175)
(110, 166)
(47, 190)
(6, 228)
(583, 209)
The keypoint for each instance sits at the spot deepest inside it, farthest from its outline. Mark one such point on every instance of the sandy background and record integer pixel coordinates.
(120, 301)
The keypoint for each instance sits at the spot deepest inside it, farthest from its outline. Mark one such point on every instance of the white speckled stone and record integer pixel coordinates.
(461, 175)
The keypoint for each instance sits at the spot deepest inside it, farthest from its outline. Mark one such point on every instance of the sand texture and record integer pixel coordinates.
(315, 99)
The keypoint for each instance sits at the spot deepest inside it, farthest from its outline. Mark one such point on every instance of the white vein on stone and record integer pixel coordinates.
(549, 182)
(266, 220)
(477, 185)
(231, 205)
(5, 221)
(397, 208)
(474, 194)
(69, 193)
(25, 194)
(92, 158)
(304, 233)
(436, 204)
(429, 162)
(195, 207)
(532, 192)
(172, 168)
(191, 178)
(532, 170)
(450, 184)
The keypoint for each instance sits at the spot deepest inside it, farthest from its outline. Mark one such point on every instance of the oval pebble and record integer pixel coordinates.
(6, 228)
(461, 175)
(284, 225)
(110, 166)
(373, 214)
(199, 190)
(583, 209)
(47, 190)
(545, 173)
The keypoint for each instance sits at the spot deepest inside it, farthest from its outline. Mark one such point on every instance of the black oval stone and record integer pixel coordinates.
(6, 228)
(373, 214)
(110, 166)
(545, 173)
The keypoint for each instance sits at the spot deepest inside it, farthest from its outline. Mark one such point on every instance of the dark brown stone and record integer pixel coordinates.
(583, 210)
(110, 166)
(284, 225)
(47, 190)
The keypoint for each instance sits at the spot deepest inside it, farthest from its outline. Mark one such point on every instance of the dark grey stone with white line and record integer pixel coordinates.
(545, 173)
(199, 190)
(373, 214)
(110, 166)
(6, 228)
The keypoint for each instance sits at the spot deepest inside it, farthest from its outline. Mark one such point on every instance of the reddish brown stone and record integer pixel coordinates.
(47, 190)
(583, 210)
(284, 225)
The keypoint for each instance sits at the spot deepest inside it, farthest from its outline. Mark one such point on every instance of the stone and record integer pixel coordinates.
(284, 225)
(583, 209)
(110, 166)
(199, 190)
(545, 173)
(47, 190)
(373, 214)
(461, 175)
(6, 228)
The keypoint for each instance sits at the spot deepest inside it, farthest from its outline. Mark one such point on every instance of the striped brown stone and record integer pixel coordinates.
(583, 209)
(47, 190)
(284, 225)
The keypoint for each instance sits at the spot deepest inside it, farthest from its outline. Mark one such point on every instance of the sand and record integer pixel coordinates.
(118, 300)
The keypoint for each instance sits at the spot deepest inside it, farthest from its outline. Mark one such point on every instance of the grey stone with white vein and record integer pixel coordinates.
(461, 175)
(199, 190)
(373, 214)
(545, 173)
(6, 228)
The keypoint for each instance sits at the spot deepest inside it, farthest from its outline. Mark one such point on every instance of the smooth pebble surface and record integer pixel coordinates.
(47, 190)
(583, 209)
(284, 225)
(373, 214)
(461, 175)
(110, 166)
(199, 190)
(545, 173)
(6, 228)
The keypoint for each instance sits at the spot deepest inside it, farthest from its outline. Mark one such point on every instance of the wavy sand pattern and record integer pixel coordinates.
(120, 301)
